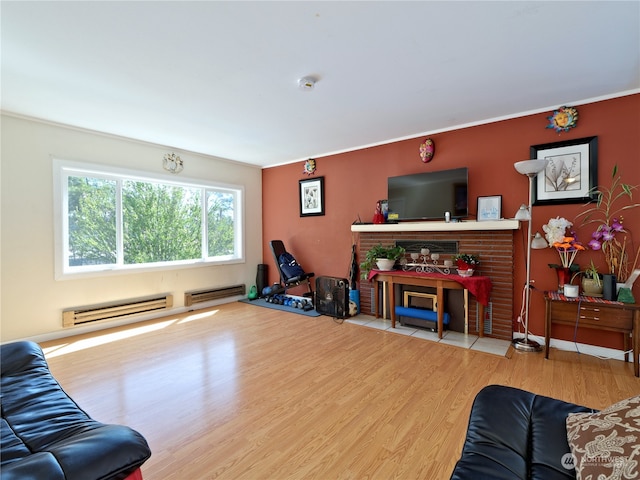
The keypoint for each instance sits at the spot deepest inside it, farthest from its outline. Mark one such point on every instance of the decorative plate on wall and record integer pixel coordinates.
(427, 150)
(563, 119)
(309, 167)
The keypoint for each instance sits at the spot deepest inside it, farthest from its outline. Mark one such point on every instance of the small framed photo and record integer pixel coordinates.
(312, 197)
(571, 175)
(490, 208)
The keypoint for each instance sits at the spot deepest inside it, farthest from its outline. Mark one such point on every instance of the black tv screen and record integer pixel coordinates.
(428, 195)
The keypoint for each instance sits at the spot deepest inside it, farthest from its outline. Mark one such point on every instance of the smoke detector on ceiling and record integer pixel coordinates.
(307, 83)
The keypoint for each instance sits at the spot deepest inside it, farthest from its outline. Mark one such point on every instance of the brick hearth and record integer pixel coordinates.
(495, 248)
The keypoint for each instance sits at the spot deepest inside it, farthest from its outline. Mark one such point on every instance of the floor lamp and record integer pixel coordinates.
(530, 168)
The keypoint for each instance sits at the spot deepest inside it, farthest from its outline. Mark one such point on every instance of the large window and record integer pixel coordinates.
(116, 220)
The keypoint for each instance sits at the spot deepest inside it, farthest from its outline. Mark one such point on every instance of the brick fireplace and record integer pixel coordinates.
(492, 241)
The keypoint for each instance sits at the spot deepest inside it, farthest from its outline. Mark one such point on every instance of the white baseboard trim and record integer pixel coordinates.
(593, 350)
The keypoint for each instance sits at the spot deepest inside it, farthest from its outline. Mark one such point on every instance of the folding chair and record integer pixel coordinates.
(300, 278)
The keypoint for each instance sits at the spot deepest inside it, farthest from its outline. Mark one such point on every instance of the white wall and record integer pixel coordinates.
(31, 300)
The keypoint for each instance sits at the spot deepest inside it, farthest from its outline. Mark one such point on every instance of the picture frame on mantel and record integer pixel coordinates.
(571, 175)
(312, 197)
(489, 208)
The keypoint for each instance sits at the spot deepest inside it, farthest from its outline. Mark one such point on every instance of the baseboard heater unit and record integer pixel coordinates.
(107, 311)
(200, 296)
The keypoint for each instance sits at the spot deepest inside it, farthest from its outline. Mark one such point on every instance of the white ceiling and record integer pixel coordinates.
(221, 78)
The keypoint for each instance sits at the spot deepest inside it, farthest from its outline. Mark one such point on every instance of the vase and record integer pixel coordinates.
(591, 287)
(385, 264)
(564, 276)
(609, 286)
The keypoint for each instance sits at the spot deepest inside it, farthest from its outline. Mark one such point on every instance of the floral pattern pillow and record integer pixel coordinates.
(606, 445)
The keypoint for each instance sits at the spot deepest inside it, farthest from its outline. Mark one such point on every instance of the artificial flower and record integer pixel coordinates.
(567, 246)
(467, 258)
(568, 249)
(604, 238)
(555, 230)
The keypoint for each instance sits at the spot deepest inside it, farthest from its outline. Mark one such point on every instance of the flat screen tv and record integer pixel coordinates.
(428, 195)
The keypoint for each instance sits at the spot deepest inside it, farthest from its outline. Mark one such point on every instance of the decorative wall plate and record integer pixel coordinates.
(563, 119)
(172, 163)
(309, 167)
(427, 150)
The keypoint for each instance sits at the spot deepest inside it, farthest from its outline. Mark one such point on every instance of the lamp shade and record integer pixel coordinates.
(538, 242)
(530, 167)
(523, 214)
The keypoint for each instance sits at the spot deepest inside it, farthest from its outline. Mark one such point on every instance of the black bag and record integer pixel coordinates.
(290, 266)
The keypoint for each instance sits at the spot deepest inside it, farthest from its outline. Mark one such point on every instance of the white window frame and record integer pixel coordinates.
(63, 168)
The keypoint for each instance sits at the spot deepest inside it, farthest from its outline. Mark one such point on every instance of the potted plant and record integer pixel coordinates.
(591, 281)
(379, 253)
(609, 235)
(466, 261)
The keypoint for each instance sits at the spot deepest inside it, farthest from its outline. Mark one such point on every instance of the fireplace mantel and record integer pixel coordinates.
(437, 226)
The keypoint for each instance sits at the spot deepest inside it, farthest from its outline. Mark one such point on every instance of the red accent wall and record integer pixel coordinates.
(354, 181)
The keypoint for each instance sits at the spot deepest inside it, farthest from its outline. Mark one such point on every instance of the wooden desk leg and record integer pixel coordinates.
(384, 300)
(636, 342)
(625, 345)
(392, 302)
(547, 325)
(466, 311)
(480, 319)
(440, 312)
(376, 298)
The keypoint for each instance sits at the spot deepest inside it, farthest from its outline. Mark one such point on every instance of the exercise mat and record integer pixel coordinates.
(261, 302)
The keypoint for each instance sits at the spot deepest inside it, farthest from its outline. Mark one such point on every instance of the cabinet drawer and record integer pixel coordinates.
(592, 314)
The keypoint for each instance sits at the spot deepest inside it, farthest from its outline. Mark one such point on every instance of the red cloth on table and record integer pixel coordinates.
(479, 286)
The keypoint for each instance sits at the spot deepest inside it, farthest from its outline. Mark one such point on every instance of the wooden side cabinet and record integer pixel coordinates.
(614, 317)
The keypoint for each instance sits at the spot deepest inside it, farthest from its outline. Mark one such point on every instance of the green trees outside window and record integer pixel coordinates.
(116, 222)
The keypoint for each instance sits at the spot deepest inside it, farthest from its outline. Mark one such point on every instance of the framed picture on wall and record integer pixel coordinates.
(571, 175)
(312, 197)
(489, 208)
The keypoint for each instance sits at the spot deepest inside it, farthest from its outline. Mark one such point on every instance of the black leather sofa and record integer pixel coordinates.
(513, 434)
(46, 435)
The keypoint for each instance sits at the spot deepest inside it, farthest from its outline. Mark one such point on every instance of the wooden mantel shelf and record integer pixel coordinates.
(437, 226)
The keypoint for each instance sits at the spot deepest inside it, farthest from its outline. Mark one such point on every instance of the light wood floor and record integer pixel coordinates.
(243, 392)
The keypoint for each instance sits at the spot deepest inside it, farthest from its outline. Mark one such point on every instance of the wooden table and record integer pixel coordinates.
(589, 312)
(434, 280)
